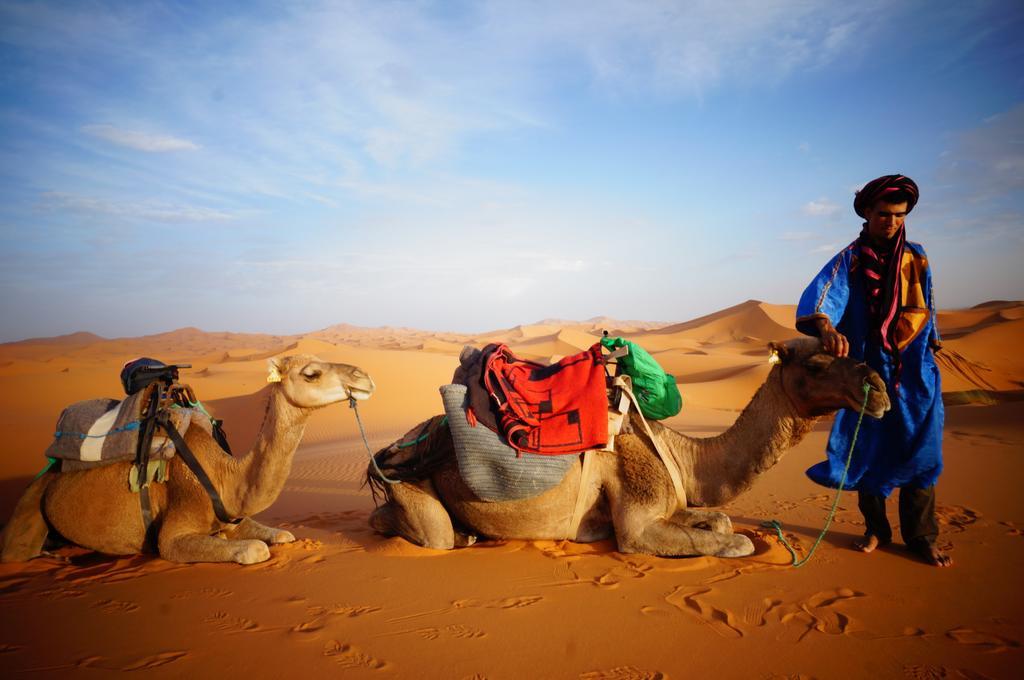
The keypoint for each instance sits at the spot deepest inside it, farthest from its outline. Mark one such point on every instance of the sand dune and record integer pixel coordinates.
(344, 599)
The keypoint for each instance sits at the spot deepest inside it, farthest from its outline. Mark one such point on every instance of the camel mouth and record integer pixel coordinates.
(876, 407)
(358, 394)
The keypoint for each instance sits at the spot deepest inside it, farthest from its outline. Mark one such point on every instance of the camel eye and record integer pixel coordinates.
(818, 363)
(312, 375)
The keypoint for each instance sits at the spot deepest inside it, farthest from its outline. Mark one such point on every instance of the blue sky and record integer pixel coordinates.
(283, 166)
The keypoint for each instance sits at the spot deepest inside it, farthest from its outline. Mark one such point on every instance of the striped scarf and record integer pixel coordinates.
(883, 286)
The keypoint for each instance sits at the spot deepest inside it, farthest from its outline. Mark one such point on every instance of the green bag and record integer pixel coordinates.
(656, 391)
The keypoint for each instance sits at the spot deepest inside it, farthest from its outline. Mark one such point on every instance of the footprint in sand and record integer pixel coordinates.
(942, 673)
(1014, 529)
(154, 661)
(12, 585)
(986, 642)
(202, 592)
(817, 613)
(457, 631)
(116, 606)
(348, 656)
(623, 673)
(504, 603)
(319, 615)
(59, 593)
(10, 649)
(756, 614)
(232, 624)
(687, 599)
(956, 518)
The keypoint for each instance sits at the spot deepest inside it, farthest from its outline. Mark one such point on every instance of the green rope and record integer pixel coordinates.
(421, 438)
(373, 459)
(774, 524)
(53, 461)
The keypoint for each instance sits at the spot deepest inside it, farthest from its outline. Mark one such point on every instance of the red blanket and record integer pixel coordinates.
(561, 408)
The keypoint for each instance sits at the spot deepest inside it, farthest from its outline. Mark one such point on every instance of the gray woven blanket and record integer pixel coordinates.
(491, 468)
(106, 430)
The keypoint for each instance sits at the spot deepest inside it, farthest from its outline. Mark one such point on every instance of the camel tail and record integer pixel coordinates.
(25, 533)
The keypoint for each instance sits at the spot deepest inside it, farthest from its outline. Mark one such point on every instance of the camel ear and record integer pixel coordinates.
(273, 372)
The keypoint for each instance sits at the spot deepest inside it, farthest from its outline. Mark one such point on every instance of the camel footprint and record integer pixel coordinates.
(233, 624)
(457, 631)
(503, 603)
(623, 673)
(986, 642)
(319, 615)
(155, 661)
(347, 656)
(116, 606)
(202, 592)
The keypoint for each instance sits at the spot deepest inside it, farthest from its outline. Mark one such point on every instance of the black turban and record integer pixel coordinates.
(876, 190)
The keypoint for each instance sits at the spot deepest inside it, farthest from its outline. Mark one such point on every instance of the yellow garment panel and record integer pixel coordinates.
(915, 314)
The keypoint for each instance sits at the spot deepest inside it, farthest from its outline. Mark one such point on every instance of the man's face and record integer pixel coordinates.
(885, 219)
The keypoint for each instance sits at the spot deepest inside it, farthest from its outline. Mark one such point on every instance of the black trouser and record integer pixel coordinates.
(918, 525)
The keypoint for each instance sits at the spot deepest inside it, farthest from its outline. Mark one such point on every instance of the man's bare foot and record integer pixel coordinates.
(931, 554)
(868, 543)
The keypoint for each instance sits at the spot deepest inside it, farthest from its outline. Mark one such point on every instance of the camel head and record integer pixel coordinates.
(308, 382)
(818, 383)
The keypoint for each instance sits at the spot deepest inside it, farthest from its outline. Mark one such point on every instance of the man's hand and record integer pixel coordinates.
(832, 341)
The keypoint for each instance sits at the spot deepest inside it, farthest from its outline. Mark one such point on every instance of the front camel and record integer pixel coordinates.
(95, 508)
(629, 495)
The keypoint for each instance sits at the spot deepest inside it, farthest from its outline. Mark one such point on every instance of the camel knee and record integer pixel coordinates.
(26, 532)
(425, 525)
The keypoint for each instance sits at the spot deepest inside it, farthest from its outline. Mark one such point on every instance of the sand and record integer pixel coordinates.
(344, 601)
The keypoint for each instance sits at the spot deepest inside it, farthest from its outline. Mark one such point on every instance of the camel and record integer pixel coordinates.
(95, 508)
(628, 495)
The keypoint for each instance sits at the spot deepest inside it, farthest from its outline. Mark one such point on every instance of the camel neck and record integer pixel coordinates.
(265, 469)
(722, 467)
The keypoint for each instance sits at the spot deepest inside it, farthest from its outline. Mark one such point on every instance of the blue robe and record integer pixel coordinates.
(904, 448)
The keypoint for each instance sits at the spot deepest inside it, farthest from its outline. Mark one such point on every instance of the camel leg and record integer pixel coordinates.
(712, 520)
(415, 513)
(638, 529)
(250, 528)
(181, 540)
(26, 531)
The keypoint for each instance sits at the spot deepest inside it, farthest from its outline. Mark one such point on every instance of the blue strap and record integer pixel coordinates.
(134, 425)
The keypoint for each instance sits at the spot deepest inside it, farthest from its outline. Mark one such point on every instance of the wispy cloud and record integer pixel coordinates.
(990, 157)
(157, 212)
(821, 207)
(140, 141)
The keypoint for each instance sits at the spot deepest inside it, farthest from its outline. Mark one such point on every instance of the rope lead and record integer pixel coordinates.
(774, 524)
(362, 432)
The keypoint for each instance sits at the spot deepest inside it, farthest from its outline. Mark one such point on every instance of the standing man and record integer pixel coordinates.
(873, 301)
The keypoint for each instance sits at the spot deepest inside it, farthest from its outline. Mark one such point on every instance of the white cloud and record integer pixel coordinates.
(830, 248)
(158, 212)
(821, 207)
(140, 141)
(564, 265)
